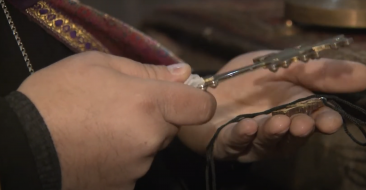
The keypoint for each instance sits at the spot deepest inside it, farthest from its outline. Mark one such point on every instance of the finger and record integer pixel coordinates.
(176, 73)
(270, 132)
(237, 137)
(301, 125)
(327, 120)
(327, 75)
(301, 128)
(183, 105)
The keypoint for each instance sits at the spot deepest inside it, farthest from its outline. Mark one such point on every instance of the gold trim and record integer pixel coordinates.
(70, 33)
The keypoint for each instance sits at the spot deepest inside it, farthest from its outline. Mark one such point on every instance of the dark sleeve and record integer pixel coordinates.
(179, 168)
(28, 158)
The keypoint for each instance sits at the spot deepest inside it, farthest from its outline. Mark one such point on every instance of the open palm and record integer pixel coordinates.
(266, 136)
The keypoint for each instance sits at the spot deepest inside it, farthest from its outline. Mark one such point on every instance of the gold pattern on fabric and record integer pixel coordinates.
(69, 32)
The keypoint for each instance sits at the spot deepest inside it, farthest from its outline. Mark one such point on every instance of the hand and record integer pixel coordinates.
(265, 136)
(108, 116)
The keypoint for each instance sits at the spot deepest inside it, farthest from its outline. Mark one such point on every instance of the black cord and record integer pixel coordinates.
(328, 100)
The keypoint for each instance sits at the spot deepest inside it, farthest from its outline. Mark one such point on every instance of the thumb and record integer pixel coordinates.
(176, 73)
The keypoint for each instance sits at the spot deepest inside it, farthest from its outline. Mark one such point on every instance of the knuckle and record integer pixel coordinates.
(151, 71)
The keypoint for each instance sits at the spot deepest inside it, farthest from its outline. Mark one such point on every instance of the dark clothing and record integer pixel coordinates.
(42, 49)
(28, 157)
(16, 155)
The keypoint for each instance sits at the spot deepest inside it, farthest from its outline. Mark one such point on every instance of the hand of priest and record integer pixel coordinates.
(108, 116)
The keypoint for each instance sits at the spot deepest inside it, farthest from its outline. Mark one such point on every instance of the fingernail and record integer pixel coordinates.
(178, 69)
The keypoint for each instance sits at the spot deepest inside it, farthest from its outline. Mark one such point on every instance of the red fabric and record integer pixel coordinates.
(118, 37)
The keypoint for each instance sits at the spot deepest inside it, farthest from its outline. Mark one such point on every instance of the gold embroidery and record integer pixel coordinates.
(71, 33)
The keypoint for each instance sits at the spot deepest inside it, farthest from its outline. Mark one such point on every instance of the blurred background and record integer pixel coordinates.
(130, 11)
(208, 33)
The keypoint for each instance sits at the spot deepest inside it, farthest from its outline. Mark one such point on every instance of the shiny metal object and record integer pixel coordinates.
(17, 38)
(304, 107)
(282, 59)
(328, 13)
(213, 81)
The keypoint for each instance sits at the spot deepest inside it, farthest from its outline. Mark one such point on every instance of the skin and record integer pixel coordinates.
(264, 136)
(85, 96)
(108, 116)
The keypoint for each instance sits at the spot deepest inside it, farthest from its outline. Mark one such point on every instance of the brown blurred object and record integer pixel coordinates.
(332, 13)
(224, 29)
(208, 34)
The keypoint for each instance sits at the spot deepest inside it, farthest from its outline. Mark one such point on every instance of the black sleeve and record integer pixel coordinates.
(179, 168)
(28, 158)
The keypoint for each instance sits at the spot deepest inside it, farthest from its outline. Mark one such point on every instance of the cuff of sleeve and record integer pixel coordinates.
(39, 141)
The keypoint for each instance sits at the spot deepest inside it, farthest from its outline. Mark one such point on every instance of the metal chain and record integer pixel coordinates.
(17, 38)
